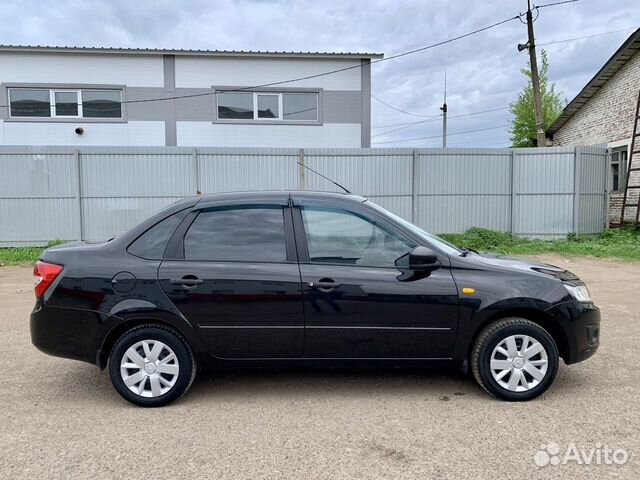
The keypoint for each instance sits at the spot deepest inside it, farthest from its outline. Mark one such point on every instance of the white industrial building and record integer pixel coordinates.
(124, 97)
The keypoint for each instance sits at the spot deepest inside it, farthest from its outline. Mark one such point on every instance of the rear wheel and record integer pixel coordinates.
(514, 359)
(151, 366)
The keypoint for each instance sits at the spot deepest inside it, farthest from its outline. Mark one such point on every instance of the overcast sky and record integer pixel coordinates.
(483, 71)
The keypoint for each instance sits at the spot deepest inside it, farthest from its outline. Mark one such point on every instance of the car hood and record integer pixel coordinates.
(513, 263)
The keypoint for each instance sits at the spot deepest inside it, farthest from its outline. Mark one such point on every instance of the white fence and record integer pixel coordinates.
(94, 193)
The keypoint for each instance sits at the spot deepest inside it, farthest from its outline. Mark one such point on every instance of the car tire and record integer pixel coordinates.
(151, 366)
(514, 359)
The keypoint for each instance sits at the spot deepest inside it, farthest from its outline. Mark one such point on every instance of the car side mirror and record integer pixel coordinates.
(423, 259)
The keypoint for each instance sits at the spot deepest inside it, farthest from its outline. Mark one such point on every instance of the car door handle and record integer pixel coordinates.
(324, 285)
(188, 281)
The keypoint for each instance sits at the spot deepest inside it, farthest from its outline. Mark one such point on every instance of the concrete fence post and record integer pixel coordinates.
(513, 175)
(79, 233)
(606, 194)
(301, 170)
(414, 186)
(195, 165)
(576, 190)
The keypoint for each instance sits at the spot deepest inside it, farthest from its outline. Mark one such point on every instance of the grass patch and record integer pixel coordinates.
(23, 255)
(615, 243)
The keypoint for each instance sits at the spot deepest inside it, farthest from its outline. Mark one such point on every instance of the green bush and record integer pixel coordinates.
(24, 255)
(619, 243)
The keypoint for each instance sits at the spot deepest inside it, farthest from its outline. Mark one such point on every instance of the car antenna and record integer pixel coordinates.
(326, 178)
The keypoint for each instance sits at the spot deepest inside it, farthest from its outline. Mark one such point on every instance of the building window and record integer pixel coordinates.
(618, 169)
(30, 103)
(300, 106)
(268, 106)
(65, 103)
(259, 106)
(235, 106)
(102, 103)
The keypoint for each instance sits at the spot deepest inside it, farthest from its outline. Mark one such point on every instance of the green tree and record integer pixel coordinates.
(523, 124)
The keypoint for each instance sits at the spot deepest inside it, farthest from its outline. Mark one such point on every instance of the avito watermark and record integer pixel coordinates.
(551, 454)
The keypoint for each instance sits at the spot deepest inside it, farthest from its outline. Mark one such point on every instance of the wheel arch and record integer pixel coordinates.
(123, 326)
(539, 317)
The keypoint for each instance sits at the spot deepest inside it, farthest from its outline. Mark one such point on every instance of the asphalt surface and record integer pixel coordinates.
(62, 419)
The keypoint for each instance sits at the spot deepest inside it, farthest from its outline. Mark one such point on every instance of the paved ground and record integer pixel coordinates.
(62, 419)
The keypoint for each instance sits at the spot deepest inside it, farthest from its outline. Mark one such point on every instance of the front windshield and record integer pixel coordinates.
(443, 245)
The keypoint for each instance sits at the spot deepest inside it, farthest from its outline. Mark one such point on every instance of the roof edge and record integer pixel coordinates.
(179, 52)
(572, 108)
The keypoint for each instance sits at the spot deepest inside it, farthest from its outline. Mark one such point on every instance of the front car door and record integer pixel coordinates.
(233, 273)
(360, 299)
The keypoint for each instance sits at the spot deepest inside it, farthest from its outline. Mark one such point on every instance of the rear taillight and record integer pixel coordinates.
(43, 276)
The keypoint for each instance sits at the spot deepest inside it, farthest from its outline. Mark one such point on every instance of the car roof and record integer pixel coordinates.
(264, 196)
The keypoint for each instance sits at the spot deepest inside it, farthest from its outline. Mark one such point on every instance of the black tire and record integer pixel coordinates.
(494, 334)
(173, 340)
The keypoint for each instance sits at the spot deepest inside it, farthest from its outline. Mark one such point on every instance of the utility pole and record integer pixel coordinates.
(444, 112)
(535, 80)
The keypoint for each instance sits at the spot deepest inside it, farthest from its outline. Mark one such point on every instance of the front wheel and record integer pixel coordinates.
(151, 366)
(514, 359)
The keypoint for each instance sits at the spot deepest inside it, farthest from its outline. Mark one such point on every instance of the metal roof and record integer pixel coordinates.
(626, 51)
(158, 51)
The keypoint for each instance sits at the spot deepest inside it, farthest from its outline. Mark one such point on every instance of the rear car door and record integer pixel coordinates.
(359, 299)
(233, 274)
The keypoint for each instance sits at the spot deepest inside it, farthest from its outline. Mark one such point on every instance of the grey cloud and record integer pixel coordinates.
(483, 71)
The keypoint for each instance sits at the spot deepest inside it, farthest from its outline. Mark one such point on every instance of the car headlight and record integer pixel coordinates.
(579, 292)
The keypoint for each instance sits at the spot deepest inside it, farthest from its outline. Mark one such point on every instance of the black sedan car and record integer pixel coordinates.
(303, 278)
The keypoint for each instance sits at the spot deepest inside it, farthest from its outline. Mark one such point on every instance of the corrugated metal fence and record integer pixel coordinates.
(96, 192)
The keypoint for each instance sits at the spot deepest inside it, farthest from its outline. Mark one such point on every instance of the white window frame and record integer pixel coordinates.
(618, 153)
(280, 117)
(266, 94)
(52, 98)
(52, 104)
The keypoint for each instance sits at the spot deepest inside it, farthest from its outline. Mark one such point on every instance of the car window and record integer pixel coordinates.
(339, 236)
(250, 234)
(152, 243)
(440, 243)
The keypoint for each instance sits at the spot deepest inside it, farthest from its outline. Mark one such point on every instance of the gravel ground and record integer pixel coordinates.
(63, 419)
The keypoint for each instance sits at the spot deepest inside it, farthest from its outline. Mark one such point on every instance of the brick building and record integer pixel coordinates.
(603, 112)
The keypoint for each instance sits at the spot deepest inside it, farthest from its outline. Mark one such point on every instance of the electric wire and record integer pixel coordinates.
(440, 136)
(440, 116)
(554, 42)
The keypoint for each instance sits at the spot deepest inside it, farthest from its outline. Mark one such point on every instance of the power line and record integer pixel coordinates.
(478, 113)
(586, 36)
(400, 128)
(553, 4)
(331, 72)
(410, 124)
(400, 110)
(439, 136)
(403, 124)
